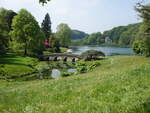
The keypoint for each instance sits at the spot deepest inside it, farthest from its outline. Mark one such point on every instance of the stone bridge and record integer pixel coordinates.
(60, 57)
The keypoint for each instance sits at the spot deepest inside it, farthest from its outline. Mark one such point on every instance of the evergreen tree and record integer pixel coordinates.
(4, 30)
(46, 26)
(10, 17)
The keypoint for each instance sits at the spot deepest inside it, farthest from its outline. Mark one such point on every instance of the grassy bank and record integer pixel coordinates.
(13, 66)
(120, 85)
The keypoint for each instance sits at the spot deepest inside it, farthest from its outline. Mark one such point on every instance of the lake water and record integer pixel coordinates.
(107, 50)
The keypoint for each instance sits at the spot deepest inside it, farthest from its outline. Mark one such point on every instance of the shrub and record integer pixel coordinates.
(83, 67)
(43, 70)
(3, 73)
(91, 54)
(66, 74)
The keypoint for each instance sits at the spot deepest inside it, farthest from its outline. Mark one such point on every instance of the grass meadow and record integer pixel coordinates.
(121, 84)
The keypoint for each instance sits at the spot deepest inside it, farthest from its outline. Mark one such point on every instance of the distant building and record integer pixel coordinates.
(108, 40)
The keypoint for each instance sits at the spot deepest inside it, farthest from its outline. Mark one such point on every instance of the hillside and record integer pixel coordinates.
(76, 35)
(123, 35)
(120, 85)
(119, 36)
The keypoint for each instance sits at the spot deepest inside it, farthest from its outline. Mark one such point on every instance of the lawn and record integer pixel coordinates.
(120, 85)
(16, 65)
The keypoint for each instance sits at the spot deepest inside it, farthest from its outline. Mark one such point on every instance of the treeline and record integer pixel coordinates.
(120, 36)
(92, 39)
(123, 35)
(77, 35)
(21, 33)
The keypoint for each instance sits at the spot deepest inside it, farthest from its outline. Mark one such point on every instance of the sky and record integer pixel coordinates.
(85, 15)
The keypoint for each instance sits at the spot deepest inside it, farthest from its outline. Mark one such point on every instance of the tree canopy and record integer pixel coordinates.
(143, 40)
(121, 36)
(76, 35)
(44, 1)
(27, 32)
(64, 34)
(6, 17)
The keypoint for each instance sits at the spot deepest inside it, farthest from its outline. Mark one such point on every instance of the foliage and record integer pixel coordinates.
(61, 65)
(46, 26)
(94, 39)
(123, 35)
(4, 30)
(144, 34)
(27, 32)
(77, 35)
(138, 47)
(8, 16)
(44, 1)
(83, 67)
(43, 70)
(3, 72)
(92, 54)
(64, 34)
(55, 43)
(66, 74)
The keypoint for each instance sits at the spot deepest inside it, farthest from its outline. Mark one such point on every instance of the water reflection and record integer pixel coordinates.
(72, 70)
(107, 50)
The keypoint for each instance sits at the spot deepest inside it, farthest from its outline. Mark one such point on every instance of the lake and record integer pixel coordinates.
(105, 49)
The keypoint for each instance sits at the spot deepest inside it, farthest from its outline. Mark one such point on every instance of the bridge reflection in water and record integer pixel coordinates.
(60, 57)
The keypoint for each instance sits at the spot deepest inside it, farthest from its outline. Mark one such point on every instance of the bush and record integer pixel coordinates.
(66, 74)
(138, 47)
(3, 73)
(91, 54)
(83, 67)
(43, 70)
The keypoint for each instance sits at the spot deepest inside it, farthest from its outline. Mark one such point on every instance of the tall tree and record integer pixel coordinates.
(3, 35)
(46, 26)
(144, 34)
(9, 18)
(27, 32)
(4, 30)
(64, 34)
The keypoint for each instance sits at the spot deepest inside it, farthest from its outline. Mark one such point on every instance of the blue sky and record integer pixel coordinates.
(86, 15)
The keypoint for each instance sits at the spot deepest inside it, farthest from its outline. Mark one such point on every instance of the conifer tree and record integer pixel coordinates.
(46, 26)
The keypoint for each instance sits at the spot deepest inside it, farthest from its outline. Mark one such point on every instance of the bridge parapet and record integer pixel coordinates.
(60, 57)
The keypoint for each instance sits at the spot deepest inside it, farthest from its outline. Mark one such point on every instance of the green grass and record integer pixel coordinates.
(120, 85)
(16, 65)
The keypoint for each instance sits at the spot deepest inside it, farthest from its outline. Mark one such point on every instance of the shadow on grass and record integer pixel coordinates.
(12, 60)
(146, 106)
(103, 58)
